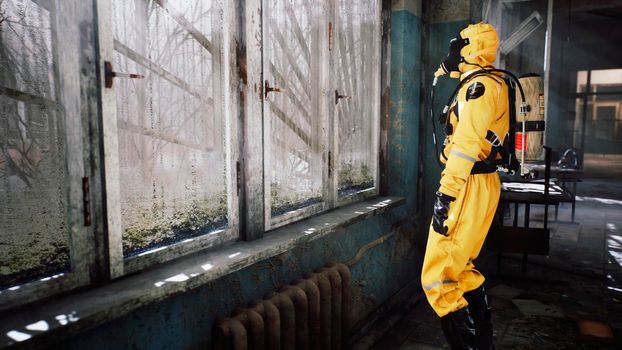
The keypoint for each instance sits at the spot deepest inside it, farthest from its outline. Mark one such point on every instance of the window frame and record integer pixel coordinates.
(327, 110)
(376, 107)
(81, 161)
(318, 111)
(120, 265)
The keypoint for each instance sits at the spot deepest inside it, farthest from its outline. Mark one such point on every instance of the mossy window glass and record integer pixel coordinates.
(293, 32)
(34, 228)
(170, 125)
(357, 58)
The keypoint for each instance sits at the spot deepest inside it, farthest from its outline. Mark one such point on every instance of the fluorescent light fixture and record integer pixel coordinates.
(521, 33)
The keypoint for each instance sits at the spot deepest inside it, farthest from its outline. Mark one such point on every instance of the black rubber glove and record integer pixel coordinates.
(441, 209)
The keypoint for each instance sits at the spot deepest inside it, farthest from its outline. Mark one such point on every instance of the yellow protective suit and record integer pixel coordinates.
(448, 271)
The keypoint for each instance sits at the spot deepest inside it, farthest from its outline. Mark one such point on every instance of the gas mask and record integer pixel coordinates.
(452, 62)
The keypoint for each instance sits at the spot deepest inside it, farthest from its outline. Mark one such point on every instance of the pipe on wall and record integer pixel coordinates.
(335, 310)
(288, 322)
(229, 333)
(252, 321)
(301, 315)
(272, 323)
(323, 284)
(346, 300)
(313, 298)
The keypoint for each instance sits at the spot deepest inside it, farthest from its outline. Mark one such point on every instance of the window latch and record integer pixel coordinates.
(111, 74)
(267, 89)
(338, 97)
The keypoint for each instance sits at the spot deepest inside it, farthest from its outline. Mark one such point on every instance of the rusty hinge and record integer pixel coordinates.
(111, 74)
(330, 36)
(238, 176)
(330, 164)
(86, 201)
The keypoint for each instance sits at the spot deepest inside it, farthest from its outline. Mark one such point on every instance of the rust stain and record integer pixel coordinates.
(240, 50)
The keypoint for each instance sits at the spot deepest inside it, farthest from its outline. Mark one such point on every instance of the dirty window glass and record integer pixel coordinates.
(291, 63)
(172, 162)
(34, 240)
(356, 61)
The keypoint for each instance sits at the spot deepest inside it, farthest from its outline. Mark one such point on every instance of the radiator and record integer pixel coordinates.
(312, 313)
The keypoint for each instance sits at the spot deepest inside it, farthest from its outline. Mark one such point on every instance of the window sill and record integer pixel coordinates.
(71, 314)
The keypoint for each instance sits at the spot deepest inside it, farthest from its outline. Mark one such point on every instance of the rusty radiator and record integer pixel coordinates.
(312, 313)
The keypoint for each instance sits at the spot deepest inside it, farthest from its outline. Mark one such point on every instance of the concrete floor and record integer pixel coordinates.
(581, 279)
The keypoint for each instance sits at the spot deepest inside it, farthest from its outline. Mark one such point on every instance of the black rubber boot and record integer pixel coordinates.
(480, 312)
(459, 330)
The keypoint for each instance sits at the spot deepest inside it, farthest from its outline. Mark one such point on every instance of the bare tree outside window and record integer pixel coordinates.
(357, 59)
(292, 62)
(33, 191)
(172, 161)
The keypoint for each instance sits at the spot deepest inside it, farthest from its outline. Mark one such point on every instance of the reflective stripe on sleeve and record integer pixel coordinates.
(438, 283)
(463, 156)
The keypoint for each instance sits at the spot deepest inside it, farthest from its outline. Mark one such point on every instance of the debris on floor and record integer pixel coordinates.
(529, 307)
(505, 292)
(594, 330)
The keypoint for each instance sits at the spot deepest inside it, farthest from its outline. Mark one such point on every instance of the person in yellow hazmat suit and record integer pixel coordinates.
(468, 195)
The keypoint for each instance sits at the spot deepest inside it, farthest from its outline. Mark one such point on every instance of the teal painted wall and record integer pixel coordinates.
(406, 38)
(185, 320)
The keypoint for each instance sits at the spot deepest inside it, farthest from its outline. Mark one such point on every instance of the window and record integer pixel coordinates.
(170, 130)
(598, 112)
(323, 117)
(44, 154)
(157, 81)
(357, 75)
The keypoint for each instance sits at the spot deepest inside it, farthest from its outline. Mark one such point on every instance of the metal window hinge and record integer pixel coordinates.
(86, 201)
